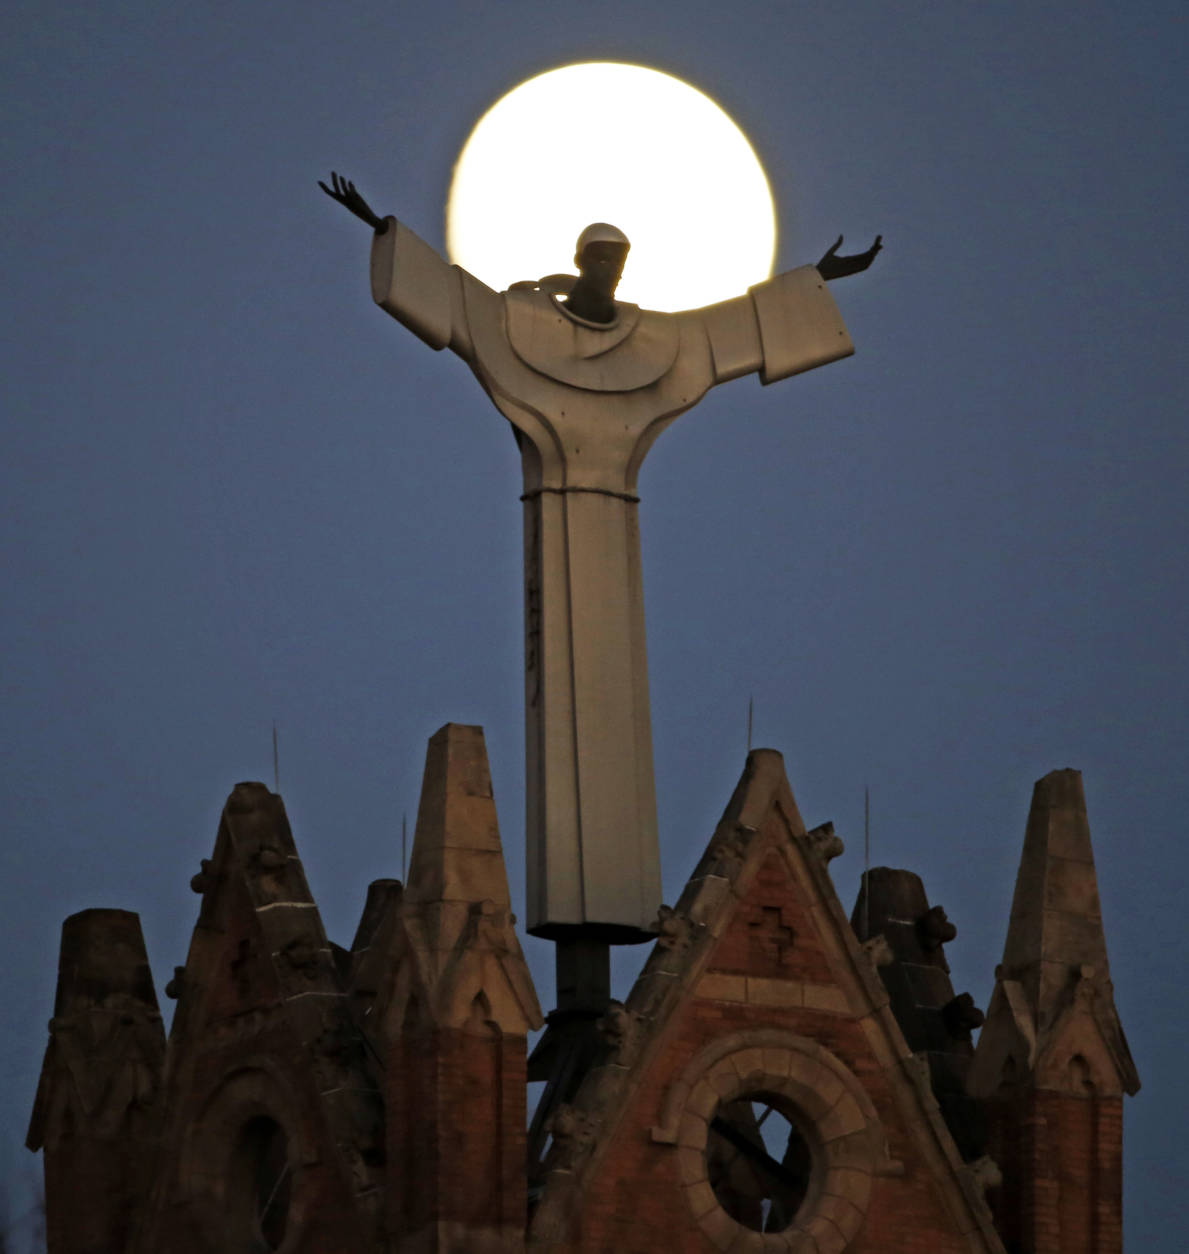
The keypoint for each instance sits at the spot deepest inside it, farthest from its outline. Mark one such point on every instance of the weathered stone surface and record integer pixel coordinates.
(893, 910)
(1052, 1061)
(96, 1116)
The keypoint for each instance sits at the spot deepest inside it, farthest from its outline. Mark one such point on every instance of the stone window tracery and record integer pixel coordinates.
(803, 1189)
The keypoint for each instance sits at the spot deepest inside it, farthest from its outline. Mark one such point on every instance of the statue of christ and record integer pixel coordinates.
(588, 383)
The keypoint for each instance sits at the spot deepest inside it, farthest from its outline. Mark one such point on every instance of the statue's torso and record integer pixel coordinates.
(631, 352)
(590, 398)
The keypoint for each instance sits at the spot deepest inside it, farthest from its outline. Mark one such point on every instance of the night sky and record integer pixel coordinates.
(236, 492)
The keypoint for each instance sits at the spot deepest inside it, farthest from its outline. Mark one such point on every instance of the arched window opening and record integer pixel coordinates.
(262, 1183)
(1080, 1075)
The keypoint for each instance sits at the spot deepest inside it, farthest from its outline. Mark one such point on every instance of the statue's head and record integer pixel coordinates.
(600, 254)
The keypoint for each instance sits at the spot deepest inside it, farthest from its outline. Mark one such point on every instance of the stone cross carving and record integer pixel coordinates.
(588, 383)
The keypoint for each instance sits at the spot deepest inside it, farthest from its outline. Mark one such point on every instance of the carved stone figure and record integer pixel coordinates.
(588, 383)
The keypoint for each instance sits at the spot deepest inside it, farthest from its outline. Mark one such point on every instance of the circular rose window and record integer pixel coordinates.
(758, 1161)
(777, 1143)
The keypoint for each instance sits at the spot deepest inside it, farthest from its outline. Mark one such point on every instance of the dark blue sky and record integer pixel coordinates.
(235, 491)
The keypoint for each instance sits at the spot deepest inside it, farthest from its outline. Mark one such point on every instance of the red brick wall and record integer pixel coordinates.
(1061, 1155)
(456, 1130)
(89, 1194)
(772, 935)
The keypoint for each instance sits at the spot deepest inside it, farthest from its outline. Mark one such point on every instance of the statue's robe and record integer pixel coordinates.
(587, 400)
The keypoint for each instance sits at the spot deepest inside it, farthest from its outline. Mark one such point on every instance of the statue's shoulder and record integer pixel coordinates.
(633, 351)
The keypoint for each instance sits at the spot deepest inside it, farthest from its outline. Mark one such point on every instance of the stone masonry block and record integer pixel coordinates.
(719, 1226)
(801, 1242)
(880, 1041)
(844, 1214)
(692, 1131)
(701, 1199)
(718, 986)
(703, 1100)
(726, 1083)
(691, 1165)
(776, 1062)
(853, 1151)
(815, 1106)
(1069, 938)
(748, 1061)
(745, 1242)
(706, 909)
(850, 1185)
(825, 1233)
(826, 997)
(803, 1070)
(821, 1081)
(1068, 835)
(650, 993)
(767, 992)
(1072, 886)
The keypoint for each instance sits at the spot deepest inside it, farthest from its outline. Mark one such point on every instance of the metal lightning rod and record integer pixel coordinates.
(866, 862)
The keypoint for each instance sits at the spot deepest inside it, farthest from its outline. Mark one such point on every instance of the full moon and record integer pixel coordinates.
(604, 142)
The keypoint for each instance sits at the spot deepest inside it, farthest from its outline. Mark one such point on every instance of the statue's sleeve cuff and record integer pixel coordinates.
(412, 283)
(800, 326)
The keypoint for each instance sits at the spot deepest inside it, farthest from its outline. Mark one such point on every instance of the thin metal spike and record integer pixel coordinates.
(276, 760)
(866, 862)
(404, 840)
(750, 710)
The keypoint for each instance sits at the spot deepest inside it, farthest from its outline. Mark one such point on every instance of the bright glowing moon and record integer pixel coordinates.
(604, 142)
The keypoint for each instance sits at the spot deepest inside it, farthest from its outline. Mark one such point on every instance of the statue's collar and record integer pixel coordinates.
(620, 356)
(626, 317)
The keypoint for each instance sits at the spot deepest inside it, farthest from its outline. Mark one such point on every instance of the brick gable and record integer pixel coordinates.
(757, 989)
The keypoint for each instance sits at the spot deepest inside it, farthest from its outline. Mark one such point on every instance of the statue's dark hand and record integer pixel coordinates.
(343, 190)
(832, 266)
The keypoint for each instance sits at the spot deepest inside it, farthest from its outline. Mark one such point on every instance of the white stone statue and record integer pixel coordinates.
(588, 383)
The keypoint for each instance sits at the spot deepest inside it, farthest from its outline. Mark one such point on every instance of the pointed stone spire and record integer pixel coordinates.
(457, 855)
(457, 1003)
(456, 906)
(1056, 919)
(97, 1101)
(1052, 1063)
(1054, 960)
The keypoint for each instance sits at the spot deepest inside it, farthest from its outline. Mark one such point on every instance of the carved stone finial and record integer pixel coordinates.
(617, 1027)
(493, 926)
(572, 1132)
(825, 843)
(985, 1172)
(268, 859)
(961, 1016)
(302, 955)
(934, 929)
(729, 843)
(879, 951)
(204, 881)
(672, 929)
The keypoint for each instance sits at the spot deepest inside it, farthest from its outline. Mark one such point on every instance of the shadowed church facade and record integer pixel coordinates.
(780, 1077)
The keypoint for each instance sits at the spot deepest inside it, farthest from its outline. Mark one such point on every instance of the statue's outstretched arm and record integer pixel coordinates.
(343, 190)
(832, 266)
